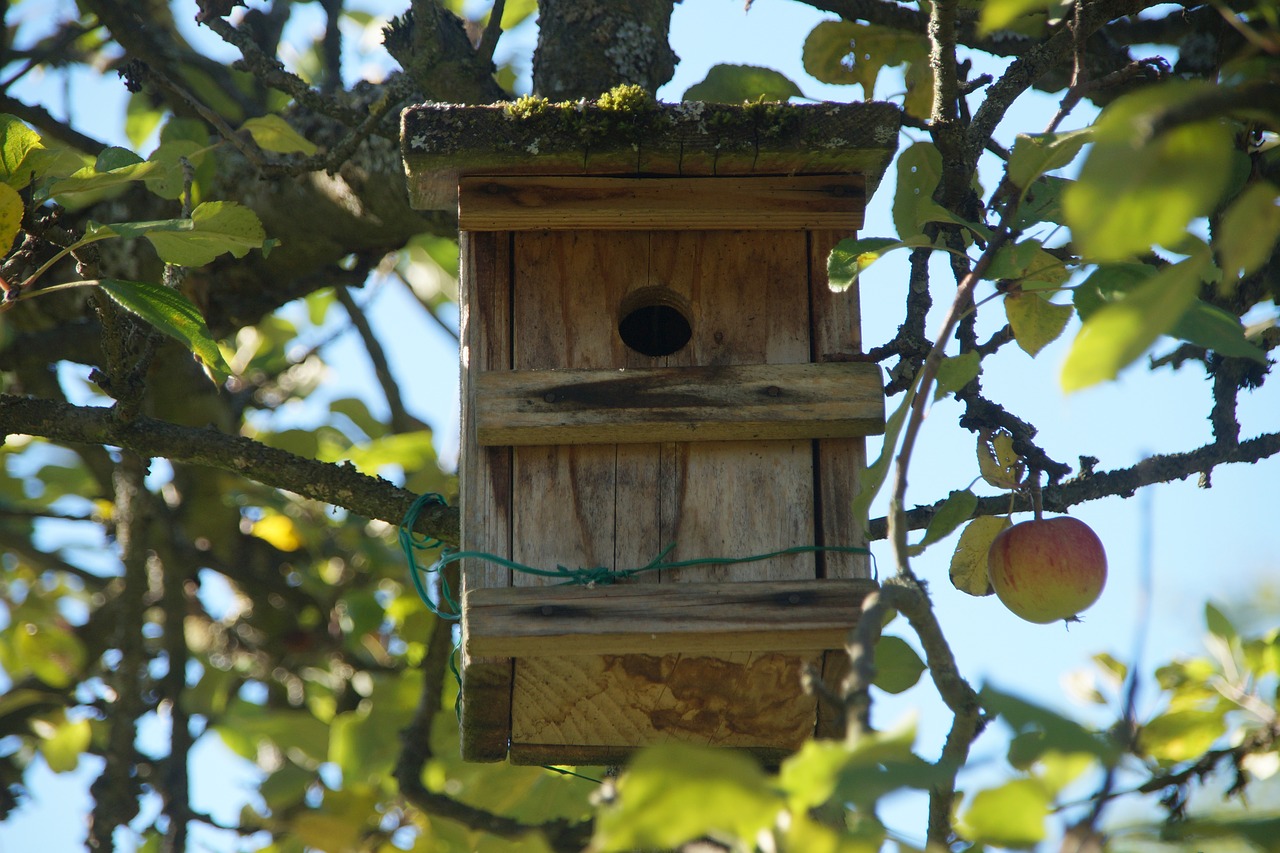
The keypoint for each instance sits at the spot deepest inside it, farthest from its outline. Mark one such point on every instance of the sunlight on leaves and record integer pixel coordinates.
(171, 313)
(674, 793)
(1248, 231)
(1114, 336)
(1135, 192)
(273, 133)
(1011, 815)
(11, 210)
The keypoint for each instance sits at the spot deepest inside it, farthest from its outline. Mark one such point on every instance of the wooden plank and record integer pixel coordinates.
(838, 462)
(485, 307)
(748, 292)
(726, 403)
(797, 202)
(695, 618)
(600, 708)
(565, 311)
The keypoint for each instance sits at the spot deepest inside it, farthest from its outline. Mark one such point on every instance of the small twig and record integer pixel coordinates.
(492, 32)
(861, 647)
(426, 306)
(401, 420)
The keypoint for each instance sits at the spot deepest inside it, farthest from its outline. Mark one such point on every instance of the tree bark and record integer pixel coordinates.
(586, 47)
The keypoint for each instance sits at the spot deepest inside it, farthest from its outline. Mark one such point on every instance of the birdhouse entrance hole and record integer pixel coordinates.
(655, 322)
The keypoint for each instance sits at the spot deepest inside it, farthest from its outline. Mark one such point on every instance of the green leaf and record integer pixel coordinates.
(1248, 231)
(1060, 733)
(11, 210)
(873, 475)
(1012, 815)
(844, 53)
(408, 450)
(955, 372)
(733, 84)
(51, 654)
(1213, 328)
(1113, 336)
(898, 667)
(919, 170)
(215, 227)
(676, 792)
(851, 256)
(141, 118)
(1042, 202)
(1036, 322)
(171, 313)
(273, 133)
(969, 572)
(167, 179)
(62, 742)
(16, 142)
(955, 511)
(1182, 734)
(1203, 324)
(1133, 191)
(1035, 154)
(1218, 623)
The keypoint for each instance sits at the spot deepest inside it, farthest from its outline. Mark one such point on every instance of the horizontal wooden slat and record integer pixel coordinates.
(558, 203)
(655, 619)
(722, 403)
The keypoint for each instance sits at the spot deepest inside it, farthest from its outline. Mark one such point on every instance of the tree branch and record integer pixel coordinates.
(401, 420)
(1123, 482)
(338, 484)
(416, 751)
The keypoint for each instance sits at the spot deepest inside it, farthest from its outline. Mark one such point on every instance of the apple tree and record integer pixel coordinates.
(199, 545)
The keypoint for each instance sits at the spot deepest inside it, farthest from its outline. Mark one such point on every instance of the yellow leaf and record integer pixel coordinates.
(279, 531)
(969, 562)
(272, 133)
(10, 216)
(1036, 322)
(999, 464)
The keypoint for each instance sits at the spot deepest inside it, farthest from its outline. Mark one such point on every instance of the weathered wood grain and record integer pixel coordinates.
(724, 403)
(694, 618)
(749, 296)
(496, 203)
(597, 708)
(485, 484)
(839, 462)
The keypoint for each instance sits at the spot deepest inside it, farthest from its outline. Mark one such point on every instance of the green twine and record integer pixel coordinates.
(411, 542)
(589, 577)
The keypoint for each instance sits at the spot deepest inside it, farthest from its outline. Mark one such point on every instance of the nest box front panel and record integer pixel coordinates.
(742, 296)
(737, 310)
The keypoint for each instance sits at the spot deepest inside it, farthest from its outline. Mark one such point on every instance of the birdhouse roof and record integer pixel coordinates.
(626, 133)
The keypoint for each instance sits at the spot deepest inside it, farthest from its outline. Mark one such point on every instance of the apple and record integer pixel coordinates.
(1047, 569)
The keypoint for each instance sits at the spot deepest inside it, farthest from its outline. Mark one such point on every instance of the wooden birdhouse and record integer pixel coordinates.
(655, 376)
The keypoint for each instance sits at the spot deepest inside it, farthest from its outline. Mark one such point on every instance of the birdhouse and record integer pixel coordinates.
(659, 387)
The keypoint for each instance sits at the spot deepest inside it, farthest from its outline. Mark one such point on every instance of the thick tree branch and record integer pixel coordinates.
(341, 485)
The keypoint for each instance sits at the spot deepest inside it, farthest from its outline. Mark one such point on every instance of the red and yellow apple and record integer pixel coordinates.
(1047, 569)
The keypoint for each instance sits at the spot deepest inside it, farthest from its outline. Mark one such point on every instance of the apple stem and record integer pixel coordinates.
(1037, 498)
